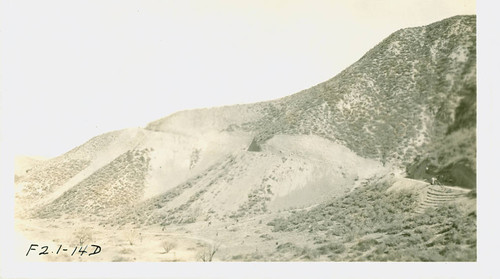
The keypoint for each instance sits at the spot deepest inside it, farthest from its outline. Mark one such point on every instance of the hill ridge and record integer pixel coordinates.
(401, 104)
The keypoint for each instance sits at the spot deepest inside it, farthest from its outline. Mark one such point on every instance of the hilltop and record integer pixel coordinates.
(407, 99)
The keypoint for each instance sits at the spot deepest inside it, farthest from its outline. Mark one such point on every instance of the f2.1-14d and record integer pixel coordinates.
(44, 250)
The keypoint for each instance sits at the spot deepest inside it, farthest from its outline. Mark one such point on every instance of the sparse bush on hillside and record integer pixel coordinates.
(446, 233)
(115, 185)
(192, 215)
(396, 98)
(369, 206)
(257, 200)
(279, 224)
(156, 210)
(43, 179)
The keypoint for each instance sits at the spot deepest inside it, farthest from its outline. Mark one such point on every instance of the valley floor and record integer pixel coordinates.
(251, 239)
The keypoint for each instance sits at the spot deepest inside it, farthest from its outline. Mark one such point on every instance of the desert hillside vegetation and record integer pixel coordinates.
(375, 164)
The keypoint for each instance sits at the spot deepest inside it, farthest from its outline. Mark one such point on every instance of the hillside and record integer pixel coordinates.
(321, 165)
(384, 222)
(405, 99)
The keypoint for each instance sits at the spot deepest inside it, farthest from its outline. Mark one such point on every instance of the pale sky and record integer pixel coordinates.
(72, 70)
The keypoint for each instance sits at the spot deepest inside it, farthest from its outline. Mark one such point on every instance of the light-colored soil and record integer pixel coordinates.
(146, 244)
(248, 238)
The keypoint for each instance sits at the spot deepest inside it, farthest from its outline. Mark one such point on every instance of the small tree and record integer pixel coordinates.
(132, 236)
(83, 235)
(167, 246)
(207, 254)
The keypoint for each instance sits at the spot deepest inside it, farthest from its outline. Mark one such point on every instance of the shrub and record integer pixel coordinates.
(333, 247)
(83, 235)
(308, 253)
(405, 236)
(167, 246)
(208, 252)
(286, 247)
(132, 236)
(365, 245)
